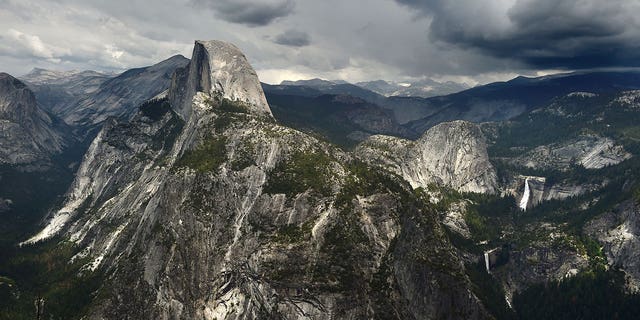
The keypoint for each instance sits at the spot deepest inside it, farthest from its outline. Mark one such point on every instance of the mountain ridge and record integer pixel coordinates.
(253, 197)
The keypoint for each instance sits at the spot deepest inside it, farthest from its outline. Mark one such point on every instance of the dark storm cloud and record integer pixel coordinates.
(570, 34)
(249, 12)
(293, 38)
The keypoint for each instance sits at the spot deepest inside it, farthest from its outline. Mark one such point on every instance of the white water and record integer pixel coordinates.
(486, 261)
(525, 197)
(506, 298)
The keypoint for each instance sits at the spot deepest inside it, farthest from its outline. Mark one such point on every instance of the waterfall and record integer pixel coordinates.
(525, 197)
(486, 261)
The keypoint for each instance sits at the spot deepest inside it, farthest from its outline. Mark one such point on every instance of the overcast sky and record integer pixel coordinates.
(474, 41)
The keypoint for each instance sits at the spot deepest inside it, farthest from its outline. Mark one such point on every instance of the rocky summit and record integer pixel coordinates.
(453, 154)
(220, 70)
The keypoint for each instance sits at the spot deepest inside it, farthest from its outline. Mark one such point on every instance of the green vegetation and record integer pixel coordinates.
(207, 157)
(365, 180)
(31, 195)
(292, 233)
(489, 291)
(381, 288)
(477, 225)
(223, 121)
(227, 105)
(486, 215)
(166, 137)
(597, 294)
(636, 195)
(346, 247)
(572, 212)
(344, 250)
(591, 116)
(155, 109)
(44, 272)
(243, 157)
(227, 112)
(303, 171)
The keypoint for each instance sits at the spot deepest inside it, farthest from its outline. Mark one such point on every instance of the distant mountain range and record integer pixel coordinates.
(492, 102)
(424, 88)
(86, 99)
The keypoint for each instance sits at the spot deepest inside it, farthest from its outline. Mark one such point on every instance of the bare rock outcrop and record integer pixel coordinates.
(452, 154)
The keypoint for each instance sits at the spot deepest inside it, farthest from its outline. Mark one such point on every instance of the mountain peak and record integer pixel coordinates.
(9, 80)
(177, 60)
(218, 68)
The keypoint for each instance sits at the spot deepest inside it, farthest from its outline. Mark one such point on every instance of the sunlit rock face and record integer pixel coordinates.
(588, 151)
(619, 232)
(452, 154)
(218, 68)
(541, 190)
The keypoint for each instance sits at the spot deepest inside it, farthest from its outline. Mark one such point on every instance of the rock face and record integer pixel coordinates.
(27, 133)
(539, 262)
(120, 96)
(58, 90)
(588, 151)
(452, 154)
(540, 190)
(218, 69)
(207, 209)
(619, 232)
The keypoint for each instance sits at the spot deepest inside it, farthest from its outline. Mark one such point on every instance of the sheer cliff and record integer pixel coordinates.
(118, 96)
(28, 134)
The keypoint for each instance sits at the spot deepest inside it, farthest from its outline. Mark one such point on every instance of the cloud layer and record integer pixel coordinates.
(473, 41)
(249, 12)
(293, 38)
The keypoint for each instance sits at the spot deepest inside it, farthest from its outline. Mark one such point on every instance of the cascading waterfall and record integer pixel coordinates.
(486, 261)
(525, 197)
